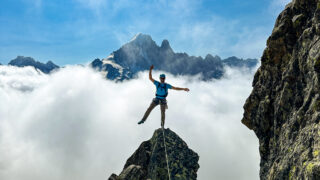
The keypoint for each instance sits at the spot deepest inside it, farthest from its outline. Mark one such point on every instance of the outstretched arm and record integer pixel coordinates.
(179, 89)
(150, 74)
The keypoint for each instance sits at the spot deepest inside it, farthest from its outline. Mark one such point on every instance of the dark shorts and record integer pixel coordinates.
(159, 101)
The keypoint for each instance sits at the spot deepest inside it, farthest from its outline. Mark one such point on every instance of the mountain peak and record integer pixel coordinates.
(209, 57)
(136, 36)
(142, 52)
(149, 160)
(49, 62)
(141, 39)
(165, 45)
(51, 65)
(21, 61)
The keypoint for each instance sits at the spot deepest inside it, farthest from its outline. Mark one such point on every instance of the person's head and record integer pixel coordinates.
(162, 78)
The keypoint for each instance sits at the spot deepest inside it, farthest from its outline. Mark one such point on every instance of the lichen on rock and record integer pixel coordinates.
(283, 108)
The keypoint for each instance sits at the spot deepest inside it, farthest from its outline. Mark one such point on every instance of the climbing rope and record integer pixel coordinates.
(165, 148)
(154, 147)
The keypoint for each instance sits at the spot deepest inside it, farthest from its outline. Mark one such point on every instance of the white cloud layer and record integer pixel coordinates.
(74, 124)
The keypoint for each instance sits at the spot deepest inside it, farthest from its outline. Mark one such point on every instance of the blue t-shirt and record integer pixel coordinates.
(162, 88)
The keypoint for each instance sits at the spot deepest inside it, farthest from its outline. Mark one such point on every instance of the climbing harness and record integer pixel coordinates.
(165, 148)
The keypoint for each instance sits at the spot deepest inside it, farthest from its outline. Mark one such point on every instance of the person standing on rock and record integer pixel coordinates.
(161, 94)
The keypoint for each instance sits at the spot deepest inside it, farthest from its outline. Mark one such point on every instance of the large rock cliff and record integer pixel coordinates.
(149, 160)
(284, 107)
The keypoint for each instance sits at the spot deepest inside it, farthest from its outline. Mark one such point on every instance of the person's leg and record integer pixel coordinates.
(146, 114)
(163, 114)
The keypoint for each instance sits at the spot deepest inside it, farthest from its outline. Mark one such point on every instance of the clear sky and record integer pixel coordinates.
(77, 31)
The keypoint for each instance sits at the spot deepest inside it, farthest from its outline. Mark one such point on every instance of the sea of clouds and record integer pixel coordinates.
(74, 124)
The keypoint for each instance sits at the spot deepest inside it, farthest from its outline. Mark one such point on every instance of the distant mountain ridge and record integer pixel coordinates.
(141, 52)
(21, 61)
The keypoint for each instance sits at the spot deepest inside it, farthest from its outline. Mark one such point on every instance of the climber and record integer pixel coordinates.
(161, 94)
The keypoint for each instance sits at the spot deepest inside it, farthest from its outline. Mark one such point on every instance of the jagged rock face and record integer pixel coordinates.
(284, 106)
(142, 52)
(21, 61)
(112, 70)
(149, 160)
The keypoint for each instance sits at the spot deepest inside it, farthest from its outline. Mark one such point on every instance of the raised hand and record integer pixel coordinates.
(151, 67)
(186, 89)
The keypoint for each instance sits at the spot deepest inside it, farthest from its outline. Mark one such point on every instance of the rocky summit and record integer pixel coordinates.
(284, 106)
(142, 52)
(149, 160)
(21, 61)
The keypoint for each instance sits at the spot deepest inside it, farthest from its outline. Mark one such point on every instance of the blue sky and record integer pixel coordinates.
(77, 31)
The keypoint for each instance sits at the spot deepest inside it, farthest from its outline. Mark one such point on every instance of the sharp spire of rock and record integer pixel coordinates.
(149, 160)
(165, 45)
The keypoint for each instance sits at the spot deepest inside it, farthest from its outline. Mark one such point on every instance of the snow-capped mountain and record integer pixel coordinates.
(21, 61)
(111, 70)
(141, 52)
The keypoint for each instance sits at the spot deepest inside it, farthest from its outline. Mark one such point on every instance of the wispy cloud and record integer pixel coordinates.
(86, 29)
(215, 35)
(94, 5)
(223, 37)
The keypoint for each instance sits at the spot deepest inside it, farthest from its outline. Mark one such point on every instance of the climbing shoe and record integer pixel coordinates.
(140, 122)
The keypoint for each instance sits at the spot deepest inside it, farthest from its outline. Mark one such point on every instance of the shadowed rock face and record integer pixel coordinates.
(149, 160)
(284, 107)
